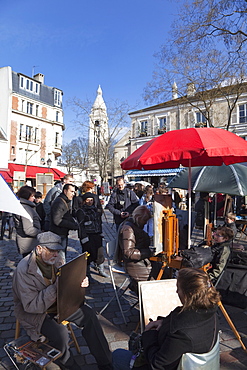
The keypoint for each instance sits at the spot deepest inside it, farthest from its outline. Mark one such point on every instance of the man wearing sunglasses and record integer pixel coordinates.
(35, 300)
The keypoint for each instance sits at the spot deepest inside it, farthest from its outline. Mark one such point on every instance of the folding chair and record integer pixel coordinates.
(203, 361)
(110, 250)
(65, 323)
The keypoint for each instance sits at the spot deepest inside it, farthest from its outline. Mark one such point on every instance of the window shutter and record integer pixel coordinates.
(149, 126)
(234, 117)
(168, 123)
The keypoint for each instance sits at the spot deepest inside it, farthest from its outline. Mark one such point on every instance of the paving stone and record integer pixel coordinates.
(5, 327)
(90, 359)
(97, 295)
(5, 313)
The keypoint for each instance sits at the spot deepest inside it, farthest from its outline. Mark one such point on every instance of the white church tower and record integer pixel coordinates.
(98, 136)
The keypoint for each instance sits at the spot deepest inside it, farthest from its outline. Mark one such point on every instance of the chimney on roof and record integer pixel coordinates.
(39, 77)
(174, 91)
(191, 90)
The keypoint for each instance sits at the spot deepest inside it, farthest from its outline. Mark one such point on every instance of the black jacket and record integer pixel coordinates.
(89, 219)
(181, 332)
(122, 201)
(78, 203)
(41, 212)
(61, 218)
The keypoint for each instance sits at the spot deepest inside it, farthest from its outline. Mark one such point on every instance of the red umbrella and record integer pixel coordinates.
(189, 147)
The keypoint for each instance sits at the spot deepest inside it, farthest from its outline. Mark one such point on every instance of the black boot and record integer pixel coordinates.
(106, 367)
(101, 271)
(90, 279)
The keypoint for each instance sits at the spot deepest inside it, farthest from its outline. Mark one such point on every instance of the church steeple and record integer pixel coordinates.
(99, 101)
(98, 130)
(174, 91)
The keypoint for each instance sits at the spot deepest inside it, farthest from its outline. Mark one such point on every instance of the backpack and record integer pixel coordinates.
(196, 257)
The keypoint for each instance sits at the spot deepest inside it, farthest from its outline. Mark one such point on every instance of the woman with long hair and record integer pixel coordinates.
(192, 327)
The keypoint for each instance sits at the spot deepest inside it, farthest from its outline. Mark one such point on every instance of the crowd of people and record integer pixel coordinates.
(42, 241)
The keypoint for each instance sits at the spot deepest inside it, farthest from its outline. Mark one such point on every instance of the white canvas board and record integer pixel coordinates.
(157, 298)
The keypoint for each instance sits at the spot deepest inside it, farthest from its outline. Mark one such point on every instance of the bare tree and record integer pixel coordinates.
(75, 154)
(118, 122)
(194, 56)
(210, 22)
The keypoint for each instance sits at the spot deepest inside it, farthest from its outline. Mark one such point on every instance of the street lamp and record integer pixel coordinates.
(49, 162)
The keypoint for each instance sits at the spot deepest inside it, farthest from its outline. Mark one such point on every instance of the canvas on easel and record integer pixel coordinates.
(161, 202)
(157, 298)
(70, 294)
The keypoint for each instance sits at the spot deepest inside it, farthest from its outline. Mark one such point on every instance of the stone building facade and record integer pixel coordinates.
(210, 108)
(31, 120)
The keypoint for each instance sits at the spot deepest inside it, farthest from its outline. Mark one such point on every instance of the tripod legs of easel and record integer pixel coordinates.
(230, 323)
(162, 269)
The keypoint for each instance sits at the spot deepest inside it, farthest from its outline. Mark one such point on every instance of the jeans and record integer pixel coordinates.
(121, 359)
(86, 319)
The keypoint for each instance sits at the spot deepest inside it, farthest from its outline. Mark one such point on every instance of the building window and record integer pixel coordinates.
(162, 125)
(57, 116)
(201, 120)
(22, 82)
(22, 105)
(37, 110)
(21, 131)
(12, 150)
(28, 133)
(57, 98)
(243, 113)
(35, 135)
(29, 108)
(144, 128)
(29, 85)
(57, 139)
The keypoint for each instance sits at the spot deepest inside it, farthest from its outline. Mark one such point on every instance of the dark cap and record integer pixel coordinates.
(50, 240)
(38, 194)
(88, 195)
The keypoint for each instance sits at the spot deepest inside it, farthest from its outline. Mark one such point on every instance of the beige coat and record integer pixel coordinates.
(32, 297)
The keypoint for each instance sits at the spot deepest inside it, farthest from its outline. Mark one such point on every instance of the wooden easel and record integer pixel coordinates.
(169, 255)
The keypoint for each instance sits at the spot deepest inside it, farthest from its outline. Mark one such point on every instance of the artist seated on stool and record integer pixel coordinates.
(191, 327)
(35, 294)
(133, 248)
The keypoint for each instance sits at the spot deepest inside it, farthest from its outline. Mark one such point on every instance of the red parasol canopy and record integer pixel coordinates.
(189, 147)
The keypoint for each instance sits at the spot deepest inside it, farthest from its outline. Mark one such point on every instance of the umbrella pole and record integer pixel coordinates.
(189, 210)
(215, 209)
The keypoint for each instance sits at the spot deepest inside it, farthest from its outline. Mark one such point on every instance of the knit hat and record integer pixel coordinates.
(88, 195)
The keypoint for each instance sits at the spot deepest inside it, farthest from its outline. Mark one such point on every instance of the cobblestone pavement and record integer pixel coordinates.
(97, 295)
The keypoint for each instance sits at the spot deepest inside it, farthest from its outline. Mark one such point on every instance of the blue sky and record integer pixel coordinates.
(79, 44)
